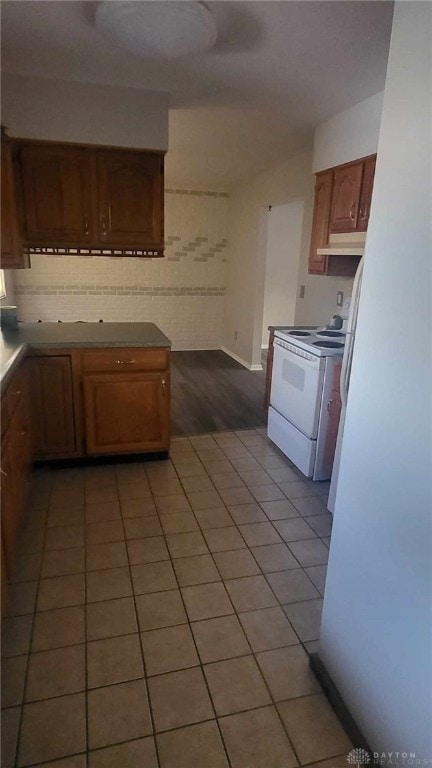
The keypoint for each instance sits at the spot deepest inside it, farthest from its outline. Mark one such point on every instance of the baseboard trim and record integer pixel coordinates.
(240, 360)
(350, 726)
(181, 348)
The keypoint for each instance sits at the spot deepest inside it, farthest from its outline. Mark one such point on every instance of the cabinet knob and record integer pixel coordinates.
(329, 405)
(125, 362)
(352, 211)
(163, 382)
(17, 392)
(86, 225)
(103, 224)
(5, 474)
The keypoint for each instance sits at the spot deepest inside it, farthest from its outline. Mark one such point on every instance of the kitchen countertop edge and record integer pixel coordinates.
(15, 344)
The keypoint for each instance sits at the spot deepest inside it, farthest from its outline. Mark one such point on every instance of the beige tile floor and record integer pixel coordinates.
(161, 614)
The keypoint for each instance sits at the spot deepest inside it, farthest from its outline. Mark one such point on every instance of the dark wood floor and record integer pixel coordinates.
(213, 393)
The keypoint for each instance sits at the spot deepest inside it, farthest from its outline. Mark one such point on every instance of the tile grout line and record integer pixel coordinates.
(149, 703)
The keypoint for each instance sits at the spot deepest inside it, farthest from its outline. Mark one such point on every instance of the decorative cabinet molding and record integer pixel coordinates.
(81, 196)
(342, 204)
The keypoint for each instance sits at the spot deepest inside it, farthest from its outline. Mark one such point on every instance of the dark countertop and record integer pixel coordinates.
(15, 344)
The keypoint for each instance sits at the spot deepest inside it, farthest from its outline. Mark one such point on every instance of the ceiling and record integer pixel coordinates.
(277, 70)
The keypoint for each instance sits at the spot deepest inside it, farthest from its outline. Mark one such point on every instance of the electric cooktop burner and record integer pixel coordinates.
(334, 334)
(299, 333)
(328, 344)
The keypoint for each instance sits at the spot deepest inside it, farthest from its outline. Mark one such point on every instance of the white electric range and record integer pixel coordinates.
(303, 367)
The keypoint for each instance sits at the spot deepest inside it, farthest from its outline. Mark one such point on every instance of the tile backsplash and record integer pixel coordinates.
(183, 292)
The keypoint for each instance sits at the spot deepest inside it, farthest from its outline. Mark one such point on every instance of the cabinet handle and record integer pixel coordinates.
(125, 362)
(329, 405)
(4, 473)
(103, 223)
(23, 432)
(163, 382)
(86, 225)
(352, 211)
(17, 392)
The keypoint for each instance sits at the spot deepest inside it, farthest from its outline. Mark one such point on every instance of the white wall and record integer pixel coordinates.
(351, 134)
(284, 225)
(288, 182)
(183, 293)
(55, 110)
(376, 633)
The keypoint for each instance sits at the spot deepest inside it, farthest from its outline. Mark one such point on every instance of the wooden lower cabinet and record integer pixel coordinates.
(334, 407)
(15, 468)
(52, 406)
(126, 412)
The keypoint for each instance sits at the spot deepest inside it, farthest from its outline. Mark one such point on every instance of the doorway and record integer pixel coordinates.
(282, 257)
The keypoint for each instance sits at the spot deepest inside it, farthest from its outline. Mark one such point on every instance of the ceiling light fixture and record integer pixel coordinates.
(159, 28)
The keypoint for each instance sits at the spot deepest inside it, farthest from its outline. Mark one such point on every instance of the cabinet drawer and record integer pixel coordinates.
(125, 359)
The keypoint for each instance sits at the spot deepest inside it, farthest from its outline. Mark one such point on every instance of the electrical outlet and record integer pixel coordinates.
(302, 292)
(339, 299)
(235, 335)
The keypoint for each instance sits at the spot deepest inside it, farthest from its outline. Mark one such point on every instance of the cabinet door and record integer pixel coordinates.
(346, 198)
(320, 223)
(11, 247)
(52, 407)
(20, 453)
(57, 192)
(126, 412)
(130, 189)
(334, 407)
(10, 512)
(366, 193)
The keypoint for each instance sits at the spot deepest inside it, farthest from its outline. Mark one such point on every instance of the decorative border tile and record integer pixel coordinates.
(116, 290)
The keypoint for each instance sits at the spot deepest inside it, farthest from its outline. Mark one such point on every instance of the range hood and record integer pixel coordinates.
(346, 244)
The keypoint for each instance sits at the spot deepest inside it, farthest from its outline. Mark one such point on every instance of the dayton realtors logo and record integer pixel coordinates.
(362, 758)
(358, 757)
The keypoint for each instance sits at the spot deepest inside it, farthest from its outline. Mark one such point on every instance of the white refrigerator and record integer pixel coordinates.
(344, 379)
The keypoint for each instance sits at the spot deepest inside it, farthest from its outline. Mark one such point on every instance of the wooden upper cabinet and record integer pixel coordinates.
(91, 196)
(366, 193)
(321, 218)
(12, 256)
(130, 191)
(52, 406)
(346, 198)
(57, 194)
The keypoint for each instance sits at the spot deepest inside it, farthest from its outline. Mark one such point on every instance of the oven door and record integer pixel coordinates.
(297, 383)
